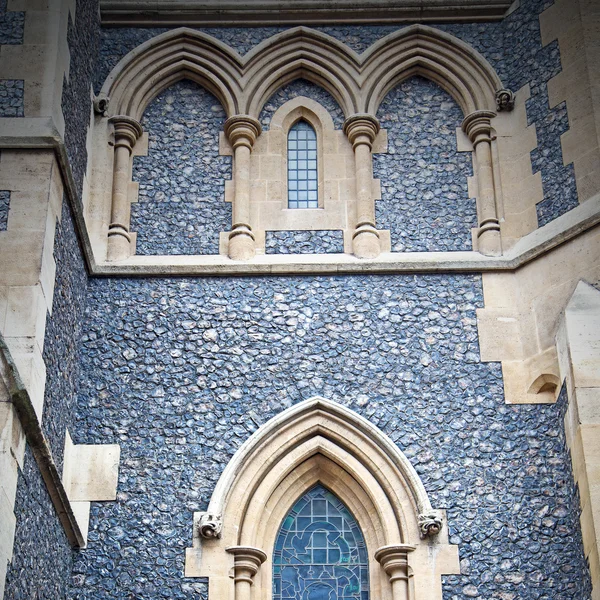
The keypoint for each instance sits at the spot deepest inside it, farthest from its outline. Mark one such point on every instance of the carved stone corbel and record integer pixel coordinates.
(505, 100)
(210, 526)
(430, 524)
(101, 102)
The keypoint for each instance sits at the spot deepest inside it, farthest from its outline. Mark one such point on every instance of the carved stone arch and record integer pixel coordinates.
(319, 441)
(420, 50)
(182, 53)
(301, 53)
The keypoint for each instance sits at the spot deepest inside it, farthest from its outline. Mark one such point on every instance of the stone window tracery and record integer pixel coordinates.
(320, 551)
(302, 166)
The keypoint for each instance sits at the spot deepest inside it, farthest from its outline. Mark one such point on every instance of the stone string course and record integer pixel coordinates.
(11, 98)
(83, 37)
(181, 207)
(304, 242)
(181, 372)
(4, 208)
(12, 25)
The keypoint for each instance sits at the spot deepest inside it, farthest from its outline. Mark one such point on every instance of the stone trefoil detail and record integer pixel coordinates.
(361, 130)
(127, 132)
(241, 131)
(429, 525)
(478, 128)
(210, 526)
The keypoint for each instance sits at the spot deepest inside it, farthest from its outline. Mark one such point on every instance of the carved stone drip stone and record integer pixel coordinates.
(505, 100)
(429, 525)
(210, 526)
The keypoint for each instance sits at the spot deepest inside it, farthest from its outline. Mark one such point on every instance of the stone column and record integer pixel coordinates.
(246, 566)
(127, 132)
(241, 131)
(478, 127)
(394, 561)
(361, 130)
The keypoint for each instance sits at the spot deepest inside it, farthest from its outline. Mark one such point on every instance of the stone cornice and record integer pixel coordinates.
(148, 13)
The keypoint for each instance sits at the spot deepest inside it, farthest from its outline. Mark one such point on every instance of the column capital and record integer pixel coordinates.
(394, 560)
(127, 131)
(247, 562)
(242, 130)
(478, 126)
(361, 128)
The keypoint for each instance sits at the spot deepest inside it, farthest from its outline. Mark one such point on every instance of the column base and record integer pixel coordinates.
(365, 241)
(489, 242)
(119, 243)
(241, 243)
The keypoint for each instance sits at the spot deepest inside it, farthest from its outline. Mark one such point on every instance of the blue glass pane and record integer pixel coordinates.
(302, 166)
(320, 553)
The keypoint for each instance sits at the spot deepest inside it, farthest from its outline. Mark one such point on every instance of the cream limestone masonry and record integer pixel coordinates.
(42, 61)
(578, 343)
(90, 474)
(522, 312)
(243, 85)
(336, 184)
(321, 441)
(576, 26)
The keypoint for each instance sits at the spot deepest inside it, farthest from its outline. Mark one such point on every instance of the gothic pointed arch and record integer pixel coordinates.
(156, 64)
(421, 50)
(319, 442)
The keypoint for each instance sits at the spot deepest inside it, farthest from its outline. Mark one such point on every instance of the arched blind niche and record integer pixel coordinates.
(320, 552)
(302, 166)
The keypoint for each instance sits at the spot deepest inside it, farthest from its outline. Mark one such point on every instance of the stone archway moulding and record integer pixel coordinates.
(243, 84)
(319, 441)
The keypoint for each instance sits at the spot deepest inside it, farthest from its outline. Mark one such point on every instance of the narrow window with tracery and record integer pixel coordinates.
(302, 166)
(320, 552)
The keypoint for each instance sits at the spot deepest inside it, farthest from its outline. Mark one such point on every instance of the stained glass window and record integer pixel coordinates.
(320, 552)
(302, 166)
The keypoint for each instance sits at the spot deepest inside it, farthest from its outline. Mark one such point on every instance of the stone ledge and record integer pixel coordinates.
(160, 13)
(570, 225)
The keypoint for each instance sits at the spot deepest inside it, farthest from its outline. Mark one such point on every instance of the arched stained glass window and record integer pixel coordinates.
(320, 552)
(302, 166)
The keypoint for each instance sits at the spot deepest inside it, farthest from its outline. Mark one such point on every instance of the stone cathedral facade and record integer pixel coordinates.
(299, 301)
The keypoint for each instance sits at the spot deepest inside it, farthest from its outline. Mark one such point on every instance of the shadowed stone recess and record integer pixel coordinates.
(304, 242)
(63, 329)
(12, 25)
(4, 208)
(11, 98)
(42, 556)
(181, 372)
(301, 87)
(425, 203)
(181, 207)
(82, 37)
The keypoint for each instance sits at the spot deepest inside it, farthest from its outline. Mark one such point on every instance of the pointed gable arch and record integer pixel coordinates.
(319, 442)
(156, 64)
(443, 58)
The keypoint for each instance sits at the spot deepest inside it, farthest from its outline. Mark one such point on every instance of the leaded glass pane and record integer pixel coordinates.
(302, 166)
(320, 552)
